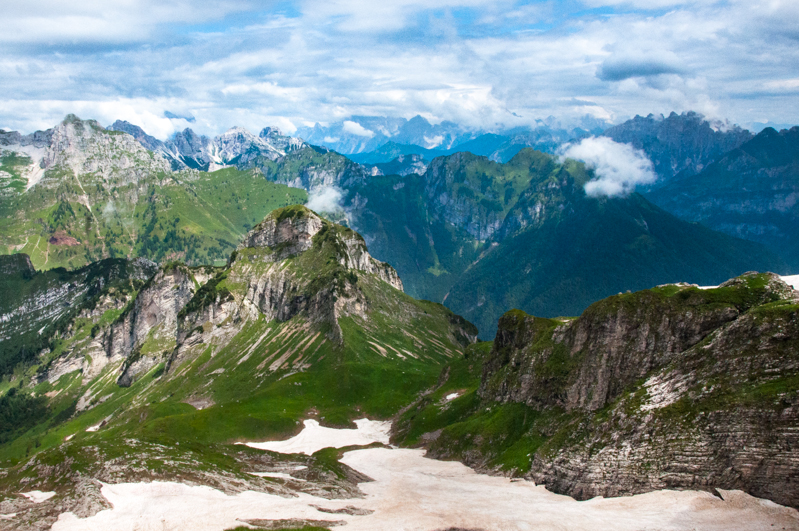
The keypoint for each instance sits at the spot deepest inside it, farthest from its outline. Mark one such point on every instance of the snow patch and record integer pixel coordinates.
(315, 437)
(37, 496)
(281, 475)
(451, 396)
(412, 492)
(791, 280)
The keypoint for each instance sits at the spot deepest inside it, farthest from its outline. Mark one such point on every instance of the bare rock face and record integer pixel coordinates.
(668, 388)
(292, 235)
(147, 334)
(679, 143)
(293, 263)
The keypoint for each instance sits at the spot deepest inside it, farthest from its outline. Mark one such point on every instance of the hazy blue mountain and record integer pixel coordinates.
(679, 143)
(750, 192)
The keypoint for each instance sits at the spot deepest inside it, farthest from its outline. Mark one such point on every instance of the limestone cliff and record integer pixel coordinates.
(673, 387)
(294, 263)
(146, 333)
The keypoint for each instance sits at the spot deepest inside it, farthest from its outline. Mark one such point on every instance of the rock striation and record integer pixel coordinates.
(147, 333)
(669, 388)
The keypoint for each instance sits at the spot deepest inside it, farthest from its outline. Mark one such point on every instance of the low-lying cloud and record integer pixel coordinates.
(325, 199)
(619, 168)
(357, 129)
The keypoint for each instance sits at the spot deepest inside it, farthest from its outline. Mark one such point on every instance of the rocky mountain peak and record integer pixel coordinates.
(291, 228)
(269, 132)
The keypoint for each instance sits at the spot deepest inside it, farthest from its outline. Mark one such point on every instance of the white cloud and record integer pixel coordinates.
(619, 168)
(357, 129)
(325, 199)
(467, 61)
(101, 21)
(433, 142)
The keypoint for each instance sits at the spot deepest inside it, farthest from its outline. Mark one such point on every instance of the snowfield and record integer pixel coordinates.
(315, 437)
(413, 493)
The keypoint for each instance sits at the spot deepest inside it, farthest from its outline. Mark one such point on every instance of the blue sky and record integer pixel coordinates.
(482, 64)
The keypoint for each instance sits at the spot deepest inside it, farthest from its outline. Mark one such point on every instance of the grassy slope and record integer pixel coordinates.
(199, 220)
(268, 377)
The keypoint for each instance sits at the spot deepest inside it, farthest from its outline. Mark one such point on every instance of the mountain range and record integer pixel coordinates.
(154, 314)
(447, 225)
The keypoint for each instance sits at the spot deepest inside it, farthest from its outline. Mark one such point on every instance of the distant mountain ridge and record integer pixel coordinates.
(679, 143)
(236, 146)
(367, 136)
(483, 237)
(751, 192)
(78, 193)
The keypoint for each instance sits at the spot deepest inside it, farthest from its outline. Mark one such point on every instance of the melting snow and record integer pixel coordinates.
(315, 437)
(413, 493)
(791, 280)
(282, 475)
(37, 496)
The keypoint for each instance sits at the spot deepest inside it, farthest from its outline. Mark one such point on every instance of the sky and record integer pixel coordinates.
(482, 64)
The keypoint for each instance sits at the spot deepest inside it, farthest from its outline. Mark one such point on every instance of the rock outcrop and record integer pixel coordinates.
(36, 307)
(674, 387)
(293, 263)
(147, 333)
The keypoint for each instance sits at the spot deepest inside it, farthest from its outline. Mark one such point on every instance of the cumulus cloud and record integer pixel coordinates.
(357, 129)
(325, 199)
(619, 168)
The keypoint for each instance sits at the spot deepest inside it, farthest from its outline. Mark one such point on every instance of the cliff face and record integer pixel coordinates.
(147, 333)
(39, 306)
(673, 387)
(292, 264)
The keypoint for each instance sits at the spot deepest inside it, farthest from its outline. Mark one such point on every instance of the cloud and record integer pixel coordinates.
(625, 66)
(619, 168)
(467, 61)
(56, 21)
(357, 129)
(325, 199)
